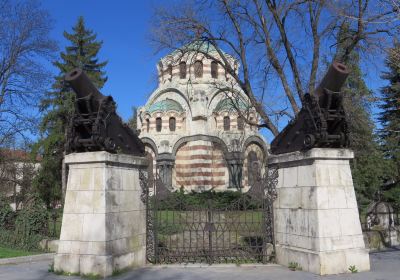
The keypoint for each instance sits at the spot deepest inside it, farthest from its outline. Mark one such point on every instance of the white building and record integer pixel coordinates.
(191, 124)
(17, 170)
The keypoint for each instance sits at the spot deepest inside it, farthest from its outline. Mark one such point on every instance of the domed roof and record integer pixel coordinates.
(200, 46)
(228, 104)
(164, 106)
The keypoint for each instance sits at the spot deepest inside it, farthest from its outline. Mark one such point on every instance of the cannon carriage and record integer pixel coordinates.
(321, 122)
(95, 125)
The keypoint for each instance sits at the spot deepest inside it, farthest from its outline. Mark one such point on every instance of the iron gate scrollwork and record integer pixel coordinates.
(207, 227)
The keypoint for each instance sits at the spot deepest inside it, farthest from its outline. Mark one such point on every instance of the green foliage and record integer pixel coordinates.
(48, 180)
(294, 266)
(55, 221)
(18, 240)
(63, 273)
(353, 269)
(30, 226)
(51, 267)
(392, 195)
(117, 272)
(91, 276)
(33, 218)
(179, 200)
(390, 121)
(58, 106)
(368, 166)
(6, 214)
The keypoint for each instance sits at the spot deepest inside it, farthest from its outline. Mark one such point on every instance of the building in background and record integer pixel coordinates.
(195, 136)
(17, 170)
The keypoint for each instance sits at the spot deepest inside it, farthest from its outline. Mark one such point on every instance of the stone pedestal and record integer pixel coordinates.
(103, 227)
(316, 217)
(392, 237)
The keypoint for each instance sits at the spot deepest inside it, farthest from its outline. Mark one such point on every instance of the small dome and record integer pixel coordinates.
(164, 106)
(229, 104)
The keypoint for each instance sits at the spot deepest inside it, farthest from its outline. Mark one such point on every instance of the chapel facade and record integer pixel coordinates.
(197, 124)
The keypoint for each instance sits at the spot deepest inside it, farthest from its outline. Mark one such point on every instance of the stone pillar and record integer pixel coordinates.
(165, 164)
(103, 226)
(316, 216)
(234, 161)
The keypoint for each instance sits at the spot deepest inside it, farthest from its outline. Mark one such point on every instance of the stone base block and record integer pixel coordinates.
(67, 263)
(104, 226)
(324, 263)
(316, 216)
(136, 259)
(97, 265)
(84, 264)
(393, 238)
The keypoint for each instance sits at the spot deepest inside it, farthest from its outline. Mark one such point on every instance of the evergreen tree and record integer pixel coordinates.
(368, 164)
(58, 106)
(132, 122)
(390, 120)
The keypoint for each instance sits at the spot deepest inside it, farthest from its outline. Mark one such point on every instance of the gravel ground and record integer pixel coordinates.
(384, 266)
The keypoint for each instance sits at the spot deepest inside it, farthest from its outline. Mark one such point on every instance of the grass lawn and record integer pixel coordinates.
(11, 253)
(171, 222)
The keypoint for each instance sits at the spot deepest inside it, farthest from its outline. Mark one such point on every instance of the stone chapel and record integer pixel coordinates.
(194, 135)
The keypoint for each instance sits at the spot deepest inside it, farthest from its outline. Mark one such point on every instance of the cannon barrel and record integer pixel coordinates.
(333, 81)
(82, 85)
(95, 125)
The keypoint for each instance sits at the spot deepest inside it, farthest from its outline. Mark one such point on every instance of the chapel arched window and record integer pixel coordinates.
(147, 125)
(170, 72)
(182, 70)
(227, 123)
(172, 124)
(158, 124)
(198, 69)
(214, 69)
(252, 127)
(240, 123)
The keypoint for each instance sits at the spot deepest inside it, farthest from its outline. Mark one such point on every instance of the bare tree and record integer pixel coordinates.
(281, 45)
(24, 46)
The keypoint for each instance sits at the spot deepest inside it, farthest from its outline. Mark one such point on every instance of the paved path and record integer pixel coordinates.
(385, 266)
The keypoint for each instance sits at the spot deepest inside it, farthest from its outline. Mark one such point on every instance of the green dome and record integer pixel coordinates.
(228, 104)
(201, 46)
(164, 106)
(198, 46)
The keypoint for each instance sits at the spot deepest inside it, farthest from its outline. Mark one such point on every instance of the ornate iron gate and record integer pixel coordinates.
(182, 229)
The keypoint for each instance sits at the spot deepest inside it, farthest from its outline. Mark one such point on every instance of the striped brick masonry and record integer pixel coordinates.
(200, 165)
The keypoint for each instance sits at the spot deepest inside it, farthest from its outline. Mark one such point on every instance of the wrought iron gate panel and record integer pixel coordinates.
(181, 232)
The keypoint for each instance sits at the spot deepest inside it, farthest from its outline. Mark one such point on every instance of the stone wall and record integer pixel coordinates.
(103, 226)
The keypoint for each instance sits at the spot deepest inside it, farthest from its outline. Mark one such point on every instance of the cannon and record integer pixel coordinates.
(321, 122)
(95, 125)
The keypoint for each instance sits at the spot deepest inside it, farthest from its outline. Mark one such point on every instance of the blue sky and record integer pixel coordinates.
(123, 26)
